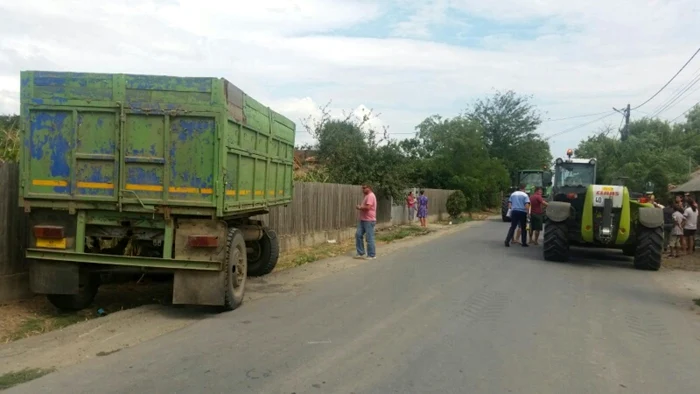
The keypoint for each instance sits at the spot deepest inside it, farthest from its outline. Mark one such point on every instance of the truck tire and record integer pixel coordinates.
(87, 290)
(556, 242)
(650, 244)
(266, 252)
(236, 270)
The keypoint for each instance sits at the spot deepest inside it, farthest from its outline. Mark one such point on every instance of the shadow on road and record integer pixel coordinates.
(578, 257)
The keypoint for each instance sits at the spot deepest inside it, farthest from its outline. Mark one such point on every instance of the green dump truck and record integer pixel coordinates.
(142, 173)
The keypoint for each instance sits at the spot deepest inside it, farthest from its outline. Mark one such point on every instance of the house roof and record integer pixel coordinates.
(692, 186)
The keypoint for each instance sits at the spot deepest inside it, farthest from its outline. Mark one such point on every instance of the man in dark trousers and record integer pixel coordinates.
(519, 204)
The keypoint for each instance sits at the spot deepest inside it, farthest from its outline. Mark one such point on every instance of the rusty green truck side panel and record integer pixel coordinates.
(141, 143)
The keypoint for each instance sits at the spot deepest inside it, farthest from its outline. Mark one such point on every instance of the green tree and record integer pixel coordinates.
(655, 152)
(355, 153)
(509, 130)
(452, 155)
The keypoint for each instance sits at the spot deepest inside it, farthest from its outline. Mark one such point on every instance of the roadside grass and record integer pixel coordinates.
(397, 233)
(34, 316)
(299, 257)
(12, 379)
(697, 301)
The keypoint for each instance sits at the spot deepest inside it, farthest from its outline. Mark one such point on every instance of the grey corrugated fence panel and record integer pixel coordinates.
(12, 222)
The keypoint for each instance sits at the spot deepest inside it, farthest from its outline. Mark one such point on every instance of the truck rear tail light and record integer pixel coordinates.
(203, 241)
(51, 232)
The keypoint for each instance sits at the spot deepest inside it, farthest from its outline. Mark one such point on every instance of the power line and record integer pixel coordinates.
(575, 117)
(686, 111)
(669, 81)
(609, 114)
(678, 97)
(676, 93)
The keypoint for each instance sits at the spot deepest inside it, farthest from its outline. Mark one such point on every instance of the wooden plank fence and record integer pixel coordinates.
(13, 270)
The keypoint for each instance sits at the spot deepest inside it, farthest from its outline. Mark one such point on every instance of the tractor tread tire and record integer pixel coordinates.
(650, 245)
(556, 242)
(504, 210)
(269, 254)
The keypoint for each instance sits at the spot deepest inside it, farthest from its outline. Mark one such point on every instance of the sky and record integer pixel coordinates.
(406, 60)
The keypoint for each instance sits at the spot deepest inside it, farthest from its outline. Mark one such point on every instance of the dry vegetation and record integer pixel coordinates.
(25, 318)
(686, 263)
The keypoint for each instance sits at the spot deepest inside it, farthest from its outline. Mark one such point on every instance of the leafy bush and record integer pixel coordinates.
(456, 204)
(9, 138)
(9, 145)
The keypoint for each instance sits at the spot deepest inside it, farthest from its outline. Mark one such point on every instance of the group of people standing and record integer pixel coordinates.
(680, 225)
(419, 204)
(523, 209)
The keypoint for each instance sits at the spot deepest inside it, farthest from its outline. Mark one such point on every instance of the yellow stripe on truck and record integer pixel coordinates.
(129, 186)
(48, 182)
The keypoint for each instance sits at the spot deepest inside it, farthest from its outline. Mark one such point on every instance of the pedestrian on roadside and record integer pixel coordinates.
(674, 244)
(679, 199)
(519, 204)
(691, 225)
(423, 208)
(366, 224)
(669, 223)
(537, 205)
(411, 204)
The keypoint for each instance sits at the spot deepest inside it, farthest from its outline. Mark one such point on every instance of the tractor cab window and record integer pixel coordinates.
(574, 174)
(532, 178)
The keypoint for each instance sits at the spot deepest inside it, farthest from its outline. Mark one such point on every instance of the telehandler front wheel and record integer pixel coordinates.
(650, 245)
(556, 242)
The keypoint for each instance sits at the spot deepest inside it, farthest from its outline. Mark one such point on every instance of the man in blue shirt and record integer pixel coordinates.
(519, 204)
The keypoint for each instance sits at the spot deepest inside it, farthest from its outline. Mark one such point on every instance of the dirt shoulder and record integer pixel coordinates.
(116, 330)
(681, 277)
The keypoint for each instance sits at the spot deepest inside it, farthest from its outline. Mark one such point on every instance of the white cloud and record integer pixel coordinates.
(584, 56)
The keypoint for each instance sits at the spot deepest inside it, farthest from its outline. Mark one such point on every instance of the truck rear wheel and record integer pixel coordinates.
(236, 269)
(556, 242)
(650, 244)
(266, 251)
(87, 290)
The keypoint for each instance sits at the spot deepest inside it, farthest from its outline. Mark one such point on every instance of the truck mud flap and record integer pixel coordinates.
(53, 277)
(199, 287)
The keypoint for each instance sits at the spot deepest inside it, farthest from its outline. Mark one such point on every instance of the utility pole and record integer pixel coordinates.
(624, 132)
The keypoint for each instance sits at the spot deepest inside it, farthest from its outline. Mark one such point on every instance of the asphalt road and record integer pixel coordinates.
(461, 314)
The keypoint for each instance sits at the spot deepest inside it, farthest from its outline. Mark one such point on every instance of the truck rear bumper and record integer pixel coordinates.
(128, 261)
